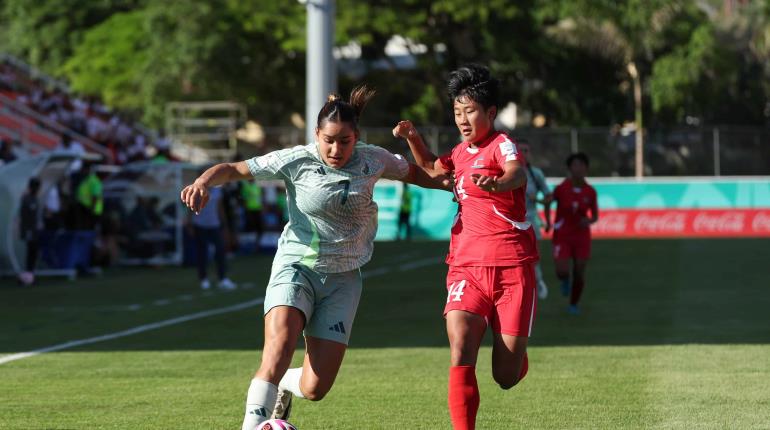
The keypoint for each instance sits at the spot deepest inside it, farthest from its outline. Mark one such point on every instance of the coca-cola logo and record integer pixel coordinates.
(611, 223)
(761, 222)
(665, 222)
(724, 222)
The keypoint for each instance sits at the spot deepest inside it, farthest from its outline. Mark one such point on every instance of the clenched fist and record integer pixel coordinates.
(404, 129)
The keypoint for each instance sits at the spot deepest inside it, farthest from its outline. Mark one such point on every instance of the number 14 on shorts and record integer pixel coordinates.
(455, 291)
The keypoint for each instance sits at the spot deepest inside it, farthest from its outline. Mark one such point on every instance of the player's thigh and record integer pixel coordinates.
(515, 300)
(508, 354)
(465, 331)
(582, 253)
(467, 311)
(323, 359)
(562, 266)
(283, 324)
(288, 305)
(512, 320)
(562, 254)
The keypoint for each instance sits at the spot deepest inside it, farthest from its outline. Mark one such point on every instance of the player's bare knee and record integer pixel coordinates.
(462, 355)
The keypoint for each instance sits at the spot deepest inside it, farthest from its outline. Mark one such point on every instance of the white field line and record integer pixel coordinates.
(134, 330)
(191, 317)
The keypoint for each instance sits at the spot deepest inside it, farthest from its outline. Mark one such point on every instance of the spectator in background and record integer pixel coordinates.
(145, 228)
(6, 153)
(163, 143)
(163, 148)
(405, 213)
(7, 78)
(90, 199)
(207, 229)
(52, 210)
(97, 126)
(74, 148)
(137, 150)
(30, 227)
(536, 184)
(251, 200)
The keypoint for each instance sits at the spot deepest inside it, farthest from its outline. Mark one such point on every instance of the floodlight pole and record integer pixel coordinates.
(321, 71)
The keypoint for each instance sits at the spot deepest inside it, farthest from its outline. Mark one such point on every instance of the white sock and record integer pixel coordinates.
(290, 381)
(260, 402)
(538, 273)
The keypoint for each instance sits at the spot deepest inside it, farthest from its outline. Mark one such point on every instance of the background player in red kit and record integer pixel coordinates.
(491, 279)
(576, 210)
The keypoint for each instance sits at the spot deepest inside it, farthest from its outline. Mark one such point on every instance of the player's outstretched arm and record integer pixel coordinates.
(514, 176)
(422, 155)
(196, 195)
(418, 176)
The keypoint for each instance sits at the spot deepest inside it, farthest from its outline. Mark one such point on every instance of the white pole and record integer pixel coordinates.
(320, 72)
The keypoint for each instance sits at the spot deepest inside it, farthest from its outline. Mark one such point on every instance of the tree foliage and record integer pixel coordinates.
(565, 59)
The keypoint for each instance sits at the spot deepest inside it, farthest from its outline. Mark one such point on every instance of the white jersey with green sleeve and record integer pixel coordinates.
(332, 217)
(535, 184)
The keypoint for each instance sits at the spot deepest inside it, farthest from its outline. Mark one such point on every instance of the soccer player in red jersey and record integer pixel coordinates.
(576, 210)
(491, 279)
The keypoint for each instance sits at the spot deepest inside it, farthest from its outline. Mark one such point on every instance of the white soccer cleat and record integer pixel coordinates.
(205, 284)
(282, 408)
(542, 290)
(227, 284)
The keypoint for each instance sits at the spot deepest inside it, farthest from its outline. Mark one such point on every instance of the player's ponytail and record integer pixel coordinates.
(360, 97)
(338, 110)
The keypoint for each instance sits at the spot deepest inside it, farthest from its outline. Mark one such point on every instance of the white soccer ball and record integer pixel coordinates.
(276, 424)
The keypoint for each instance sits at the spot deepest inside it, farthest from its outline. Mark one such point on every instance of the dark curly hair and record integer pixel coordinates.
(476, 83)
(577, 156)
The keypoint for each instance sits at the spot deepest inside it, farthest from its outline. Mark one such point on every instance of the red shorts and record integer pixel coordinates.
(577, 246)
(504, 295)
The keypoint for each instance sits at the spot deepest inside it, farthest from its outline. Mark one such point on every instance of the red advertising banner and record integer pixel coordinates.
(672, 223)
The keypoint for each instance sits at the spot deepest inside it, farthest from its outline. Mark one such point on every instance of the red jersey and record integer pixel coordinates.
(573, 203)
(490, 228)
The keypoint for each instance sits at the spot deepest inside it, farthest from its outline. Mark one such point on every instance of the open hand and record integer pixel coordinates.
(486, 183)
(195, 196)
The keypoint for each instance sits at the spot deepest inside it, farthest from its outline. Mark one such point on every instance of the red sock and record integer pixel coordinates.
(463, 397)
(524, 367)
(577, 290)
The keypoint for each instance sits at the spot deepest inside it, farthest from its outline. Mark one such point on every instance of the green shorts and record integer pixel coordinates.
(328, 300)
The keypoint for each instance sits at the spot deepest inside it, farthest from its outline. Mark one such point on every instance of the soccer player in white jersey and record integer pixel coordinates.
(536, 185)
(315, 282)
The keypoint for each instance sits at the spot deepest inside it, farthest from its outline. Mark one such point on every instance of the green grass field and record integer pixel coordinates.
(674, 334)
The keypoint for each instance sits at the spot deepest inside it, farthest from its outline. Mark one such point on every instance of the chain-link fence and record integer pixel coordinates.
(690, 151)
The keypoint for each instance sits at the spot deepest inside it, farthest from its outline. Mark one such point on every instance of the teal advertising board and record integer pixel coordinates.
(433, 211)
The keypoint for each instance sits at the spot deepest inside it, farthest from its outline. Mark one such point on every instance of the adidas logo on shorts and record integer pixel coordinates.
(339, 328)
